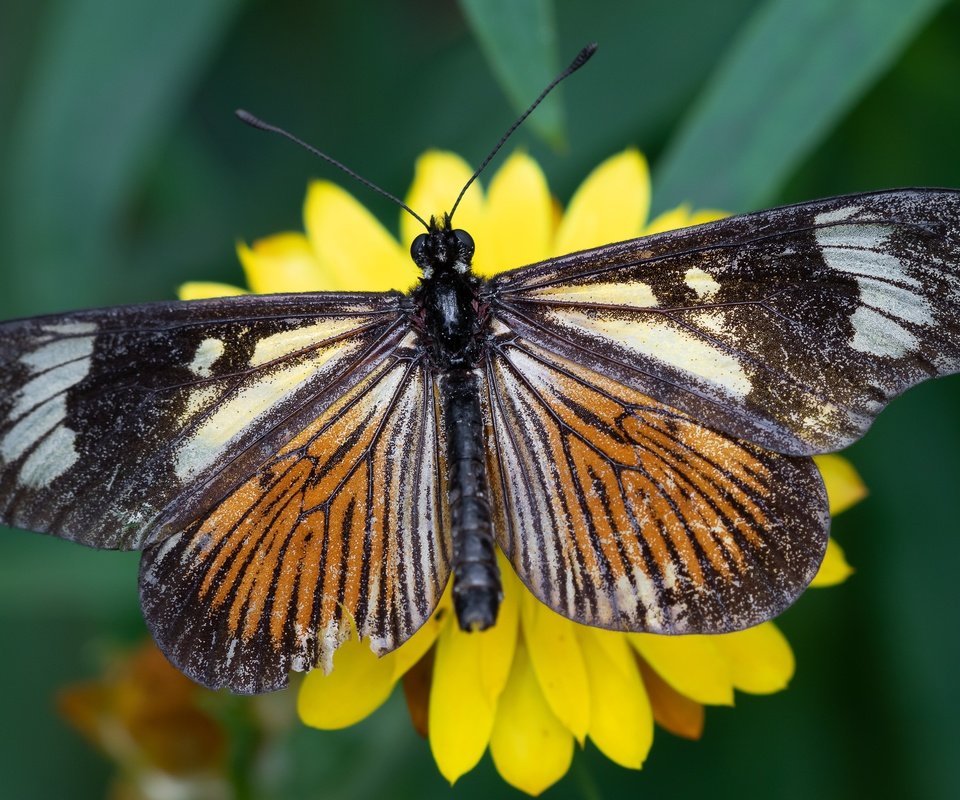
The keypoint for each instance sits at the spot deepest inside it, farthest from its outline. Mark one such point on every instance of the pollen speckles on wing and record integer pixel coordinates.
(37, 418)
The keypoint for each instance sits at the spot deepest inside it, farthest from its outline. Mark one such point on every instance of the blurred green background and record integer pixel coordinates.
(123, 173)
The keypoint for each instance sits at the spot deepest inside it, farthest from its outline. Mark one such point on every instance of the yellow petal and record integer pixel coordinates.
(672, 711)
(611, 205)
(834, 568)
(844, 485)
(358, 685)
(690, 664)
(351, 246)
(283, 263)
(682, 217)
(760, 658)
(557, 660)
(673, 219)
(498, 643)
(531, 748)
(412, 650)
(621, 720)
(706, 215)
(205, 290)
(519, 221)
(437, 180)
(461, 712)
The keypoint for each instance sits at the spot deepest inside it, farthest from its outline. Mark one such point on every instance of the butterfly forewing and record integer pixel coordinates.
(119, 426)
(791, 328)
(620, 512)
(344, 528)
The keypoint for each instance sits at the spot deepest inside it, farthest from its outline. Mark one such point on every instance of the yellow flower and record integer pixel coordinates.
(536, 684)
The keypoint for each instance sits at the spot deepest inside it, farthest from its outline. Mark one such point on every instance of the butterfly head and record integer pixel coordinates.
(442, 248)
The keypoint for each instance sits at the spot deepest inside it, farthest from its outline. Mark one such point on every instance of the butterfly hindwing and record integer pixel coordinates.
(791, 328)
(344, 528)
(120, 426)
(619, 512)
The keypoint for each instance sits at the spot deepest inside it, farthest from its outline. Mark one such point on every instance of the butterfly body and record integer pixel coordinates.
(631, 425)
(448, 316)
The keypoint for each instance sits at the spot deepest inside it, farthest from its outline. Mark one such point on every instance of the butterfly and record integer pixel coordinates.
(631, 425)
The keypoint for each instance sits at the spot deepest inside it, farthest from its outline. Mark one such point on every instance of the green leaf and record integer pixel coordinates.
(519, 39)
(107, 83)
(41, 575)
(793, 73)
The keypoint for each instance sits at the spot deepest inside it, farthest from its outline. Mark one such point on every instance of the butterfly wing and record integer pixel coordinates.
(344, 528)
(276, 457)
(791, 328)
(620, 512)
(119, 425)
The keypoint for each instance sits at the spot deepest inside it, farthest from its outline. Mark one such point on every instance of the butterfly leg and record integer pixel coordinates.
(477, 591)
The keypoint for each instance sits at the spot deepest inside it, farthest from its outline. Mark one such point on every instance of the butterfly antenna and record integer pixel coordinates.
(256, 122)
(582, 58)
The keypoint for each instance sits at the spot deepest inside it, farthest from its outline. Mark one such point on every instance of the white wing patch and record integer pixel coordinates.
(54, 455)
(877, 334)
(887, 290)
(37, 417)
(837, 215)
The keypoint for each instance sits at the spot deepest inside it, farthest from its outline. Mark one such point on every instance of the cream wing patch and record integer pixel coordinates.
(635, 294)
(285, 343)
(284, 362)
(208, 353)
(701, 282)
(37, 419)
(659, 339)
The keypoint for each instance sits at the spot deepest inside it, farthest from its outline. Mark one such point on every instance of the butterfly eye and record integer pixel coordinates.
(418, 249)
(466, 242)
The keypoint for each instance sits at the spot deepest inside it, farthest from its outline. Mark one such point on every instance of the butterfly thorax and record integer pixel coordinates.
(447, 301)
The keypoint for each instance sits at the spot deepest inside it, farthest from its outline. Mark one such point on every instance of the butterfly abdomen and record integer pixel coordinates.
(476, 578)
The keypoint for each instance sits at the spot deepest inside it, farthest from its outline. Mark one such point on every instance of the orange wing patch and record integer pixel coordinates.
(342, 529)
(621, 512)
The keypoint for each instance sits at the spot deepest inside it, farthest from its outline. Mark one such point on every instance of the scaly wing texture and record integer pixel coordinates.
(120, 426)
(791, 328)
(345, 527)
(620, 512)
